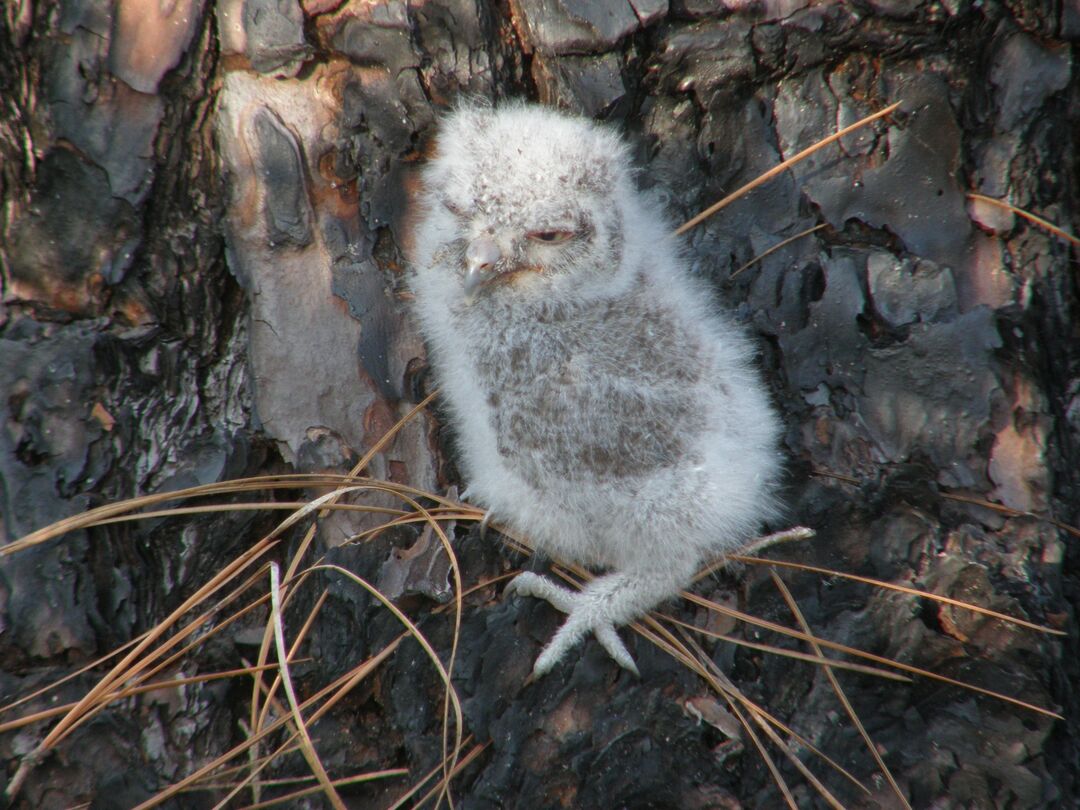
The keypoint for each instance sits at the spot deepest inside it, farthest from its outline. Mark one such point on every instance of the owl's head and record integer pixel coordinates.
(523, 203)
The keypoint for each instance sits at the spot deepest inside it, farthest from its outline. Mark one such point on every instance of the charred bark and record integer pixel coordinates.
(204, 214)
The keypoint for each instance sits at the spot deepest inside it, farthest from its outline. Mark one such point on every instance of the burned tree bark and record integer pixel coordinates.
(204, 210)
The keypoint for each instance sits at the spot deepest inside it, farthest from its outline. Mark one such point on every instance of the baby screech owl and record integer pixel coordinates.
(603, 409)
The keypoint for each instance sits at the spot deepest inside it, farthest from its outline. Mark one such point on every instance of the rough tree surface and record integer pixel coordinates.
(204, 207)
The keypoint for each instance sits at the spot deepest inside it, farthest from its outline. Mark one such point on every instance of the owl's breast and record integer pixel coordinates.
(571, 402)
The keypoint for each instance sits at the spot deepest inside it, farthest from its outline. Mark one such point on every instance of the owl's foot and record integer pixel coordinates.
(769, 540)
(588, 611)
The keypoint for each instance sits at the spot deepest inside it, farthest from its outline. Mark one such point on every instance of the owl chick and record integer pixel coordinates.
(602, 407)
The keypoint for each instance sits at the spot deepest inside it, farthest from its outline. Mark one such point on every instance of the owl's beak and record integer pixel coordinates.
(481, 256)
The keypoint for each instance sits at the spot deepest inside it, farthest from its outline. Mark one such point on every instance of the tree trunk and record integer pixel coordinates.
(204, 213)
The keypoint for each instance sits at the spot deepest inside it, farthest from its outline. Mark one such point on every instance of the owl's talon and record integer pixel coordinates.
(584, 616)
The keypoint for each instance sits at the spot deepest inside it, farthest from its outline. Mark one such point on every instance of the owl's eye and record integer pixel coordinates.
(550, 237)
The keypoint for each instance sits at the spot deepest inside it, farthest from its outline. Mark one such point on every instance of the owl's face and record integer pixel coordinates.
(524, 206)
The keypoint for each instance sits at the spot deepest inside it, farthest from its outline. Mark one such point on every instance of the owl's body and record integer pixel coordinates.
(602, 409)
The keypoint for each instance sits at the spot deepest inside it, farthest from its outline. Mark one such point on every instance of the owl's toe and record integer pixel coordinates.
(530, 584)
(485, 521)
(610, 641)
